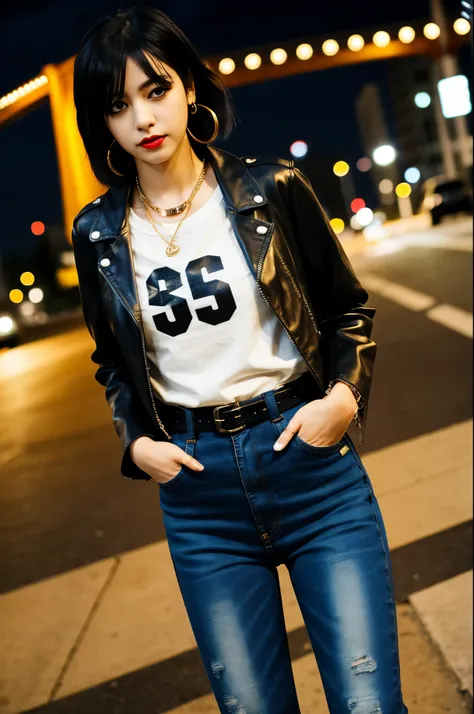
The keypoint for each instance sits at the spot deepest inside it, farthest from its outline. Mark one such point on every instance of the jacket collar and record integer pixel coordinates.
(238, 187)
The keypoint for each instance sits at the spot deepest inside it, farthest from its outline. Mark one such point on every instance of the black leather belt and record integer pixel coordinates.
(232, 418)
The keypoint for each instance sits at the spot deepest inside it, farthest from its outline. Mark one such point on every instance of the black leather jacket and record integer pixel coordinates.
(301, 271)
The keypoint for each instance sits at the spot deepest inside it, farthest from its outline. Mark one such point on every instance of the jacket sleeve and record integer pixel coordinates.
(337, 298)
(129, 418)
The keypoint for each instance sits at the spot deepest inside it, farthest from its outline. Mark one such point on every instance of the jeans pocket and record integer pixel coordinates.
(298, 441)
(188, 447)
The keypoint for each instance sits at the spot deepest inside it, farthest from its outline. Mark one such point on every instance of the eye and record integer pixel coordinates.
(159, 89)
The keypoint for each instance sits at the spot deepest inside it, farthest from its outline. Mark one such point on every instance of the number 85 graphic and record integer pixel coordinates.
(162, 298)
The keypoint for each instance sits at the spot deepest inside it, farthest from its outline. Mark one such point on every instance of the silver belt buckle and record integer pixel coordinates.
(216, 415)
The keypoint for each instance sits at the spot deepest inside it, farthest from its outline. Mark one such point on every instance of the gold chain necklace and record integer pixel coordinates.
(164, 212)
(172, 248)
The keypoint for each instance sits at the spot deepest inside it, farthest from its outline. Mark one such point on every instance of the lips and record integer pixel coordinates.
(151, 139)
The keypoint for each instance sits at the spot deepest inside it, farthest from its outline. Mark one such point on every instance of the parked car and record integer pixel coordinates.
(443, 196)
(9, 329)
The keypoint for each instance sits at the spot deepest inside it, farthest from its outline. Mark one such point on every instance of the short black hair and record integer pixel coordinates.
(99, 79)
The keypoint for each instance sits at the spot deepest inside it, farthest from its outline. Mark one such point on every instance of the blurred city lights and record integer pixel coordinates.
(304, 51)
(354, 223)
(406, 34)
(380, 216)
(422, 100)
(386, 186)
(299, 149)
(454, 96)
(462, 26)
(6, 324)
(16, 296)
(412, 175)
(253, 61)
(431, 31)
(355, 43)
(226, 65)
(357, 204)
(22, 91)
(384, 155)
(364, 216)
(330, 47)
(341, 168)
(27, 278)
(37, 228)
(278, 56)
(364, 164)
(337, 225)
(381, 39)
(35, 295)
(403, 190)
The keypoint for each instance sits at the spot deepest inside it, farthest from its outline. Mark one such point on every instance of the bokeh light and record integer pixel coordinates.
(381, 39)
(412, 175)
(299, 149)
(27, 278)
(357, 204)
(37, 228)
(16, 296)
(253, 61)
(226, 65)
(35, 295)
(406, 34)
(386, 186)
(337, 225)
(364, 164)
(354, 223)
(355, 43)
(304, 51)
(278, 56)
(431, 31)
(365, 216)
(403, 189)
(384, 155)
(422, 100)
(341, 168)
(462, 26)
(330, 47)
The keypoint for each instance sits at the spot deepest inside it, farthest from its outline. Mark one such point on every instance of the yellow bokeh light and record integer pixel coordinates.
(278, 56)
(16, 296)
(337, 225)
(355, 43)
(462, 26)
(226, 65)
(403, 189)
(406, 34)
(330, 48)
(431, 31)
(341, 168)
(253, 61)
(381, 39)
(27, 278)
(304, 51)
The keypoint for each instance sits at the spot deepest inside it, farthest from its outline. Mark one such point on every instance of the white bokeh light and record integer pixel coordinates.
(35, 295)
(422, 100)
(384, 155)
(412, 175)
(298, 149)
(365, 216)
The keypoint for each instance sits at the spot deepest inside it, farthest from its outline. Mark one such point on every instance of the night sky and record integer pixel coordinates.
(310, 106)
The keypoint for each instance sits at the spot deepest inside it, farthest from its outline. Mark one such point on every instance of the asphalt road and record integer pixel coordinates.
(63, 501)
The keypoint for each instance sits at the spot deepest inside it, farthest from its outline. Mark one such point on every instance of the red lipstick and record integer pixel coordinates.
(152, 142)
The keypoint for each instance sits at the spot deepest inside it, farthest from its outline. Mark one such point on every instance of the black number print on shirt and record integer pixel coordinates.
(172, 279)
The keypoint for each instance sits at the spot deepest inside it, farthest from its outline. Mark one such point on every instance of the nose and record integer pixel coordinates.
(144, 117)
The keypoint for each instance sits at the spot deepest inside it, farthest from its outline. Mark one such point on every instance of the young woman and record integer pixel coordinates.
(234, 347)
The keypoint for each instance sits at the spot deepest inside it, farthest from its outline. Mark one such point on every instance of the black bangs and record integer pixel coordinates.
(149, 38)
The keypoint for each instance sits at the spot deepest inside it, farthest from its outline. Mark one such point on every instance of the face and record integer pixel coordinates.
(149, 110)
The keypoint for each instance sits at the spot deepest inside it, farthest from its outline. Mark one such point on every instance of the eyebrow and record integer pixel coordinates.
(150, 81)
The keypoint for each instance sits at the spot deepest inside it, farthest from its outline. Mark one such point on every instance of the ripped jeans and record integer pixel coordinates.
(313, 509)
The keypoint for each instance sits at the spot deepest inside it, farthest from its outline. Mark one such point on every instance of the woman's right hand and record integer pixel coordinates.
(161, 460)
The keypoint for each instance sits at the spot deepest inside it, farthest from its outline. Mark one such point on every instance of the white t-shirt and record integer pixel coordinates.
(210, 337)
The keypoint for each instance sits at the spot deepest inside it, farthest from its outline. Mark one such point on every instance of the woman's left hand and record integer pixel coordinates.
(322, 422)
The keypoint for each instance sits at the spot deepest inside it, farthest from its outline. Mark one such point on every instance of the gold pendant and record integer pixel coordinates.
(172, 249)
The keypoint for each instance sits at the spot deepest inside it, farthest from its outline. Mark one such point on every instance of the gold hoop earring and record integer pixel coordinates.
(109, 163)
(193, 110)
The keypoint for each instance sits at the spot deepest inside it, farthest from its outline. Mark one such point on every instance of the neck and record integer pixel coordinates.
(171, 182)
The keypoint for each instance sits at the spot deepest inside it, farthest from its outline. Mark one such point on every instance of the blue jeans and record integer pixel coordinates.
(313, 509)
